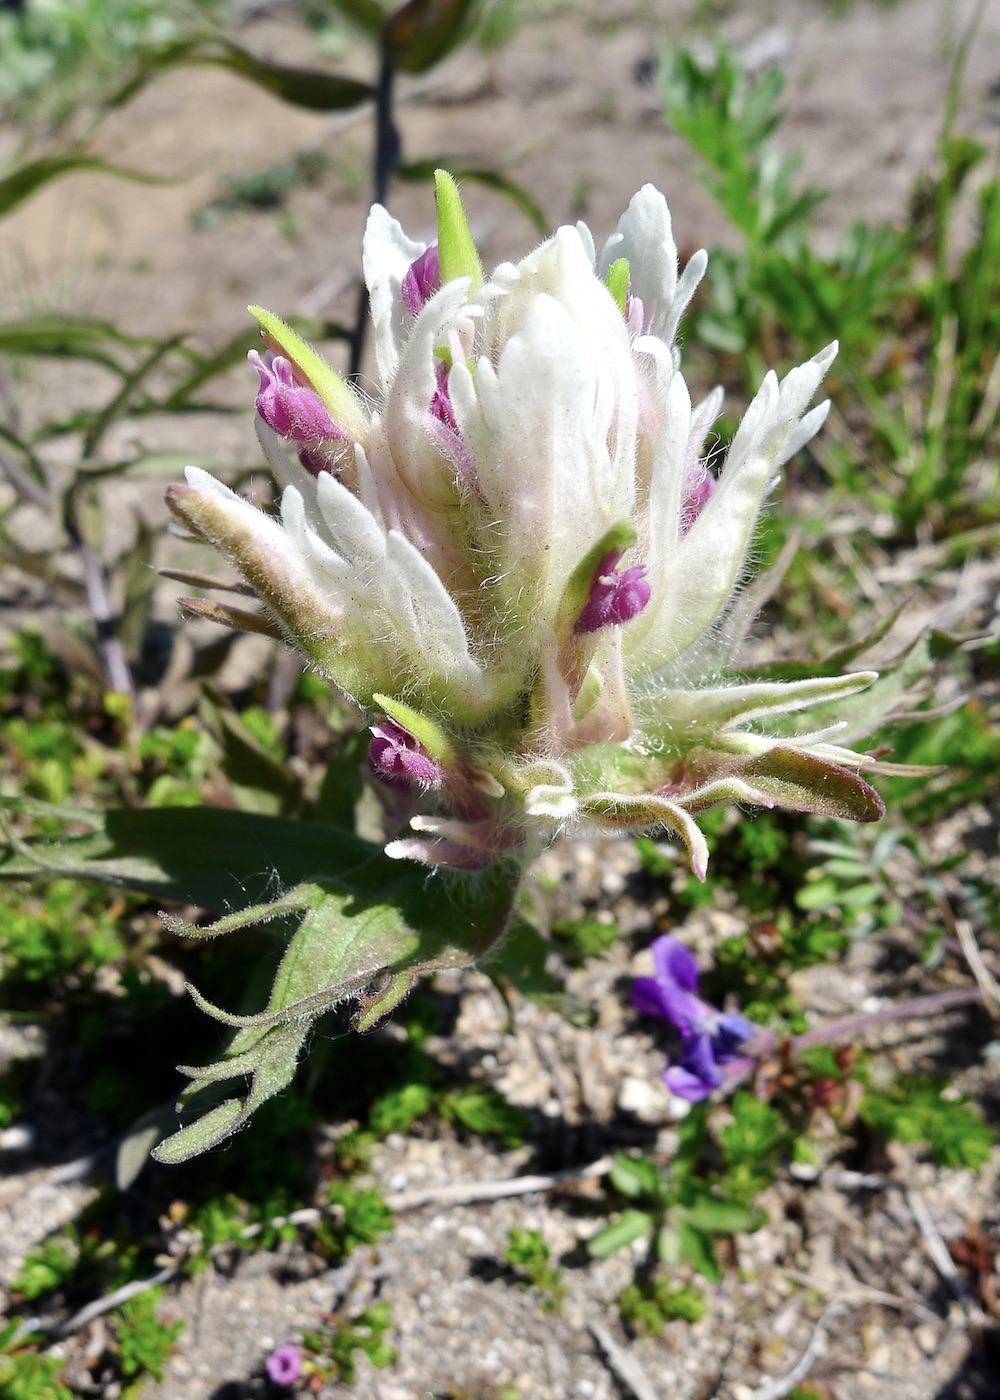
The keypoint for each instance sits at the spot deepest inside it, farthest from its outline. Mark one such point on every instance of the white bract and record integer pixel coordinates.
(515, 558)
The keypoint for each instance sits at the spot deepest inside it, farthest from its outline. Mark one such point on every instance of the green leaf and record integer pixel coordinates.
(368, 15)
(69, 337)
(343, 784)
(781, 776)
(380, 925)
(697, 1247)
(311, 88)
(207, 367)
(520, 960)
(425, 170)
(634, 1176)
(718, 1216)
(631, 1225)
(691, 1140)
(457, 251)
(259, 782)
(421, 33)
(914, 1110)
(208, 856)
(21, 183)
(486, 1112)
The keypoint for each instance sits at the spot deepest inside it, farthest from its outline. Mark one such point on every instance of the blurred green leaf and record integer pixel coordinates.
(260, 782)
(630, 1226)
(422, 32)
(487, 1113)
(634, 1176)
(719, 1217)
(302, 87)
(368, 15)
(70, 337)
(698, 1248)
(21, 183)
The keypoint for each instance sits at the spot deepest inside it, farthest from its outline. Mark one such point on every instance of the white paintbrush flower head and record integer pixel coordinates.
(514, 558)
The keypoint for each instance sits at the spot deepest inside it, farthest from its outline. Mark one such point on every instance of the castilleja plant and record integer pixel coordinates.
(515, 560)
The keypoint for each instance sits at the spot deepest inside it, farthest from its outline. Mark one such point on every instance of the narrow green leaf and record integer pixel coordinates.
(208, 367)
(70, 337)
(21, 183)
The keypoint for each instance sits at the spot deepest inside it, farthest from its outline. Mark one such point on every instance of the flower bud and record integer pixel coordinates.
(287, 407)
(397, 757)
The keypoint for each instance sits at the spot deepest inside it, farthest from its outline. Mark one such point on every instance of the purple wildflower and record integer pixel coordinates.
(709, 1038)
(422, 280)
(287, 407)
(614, 597)
(284, 1366)
(398, 757)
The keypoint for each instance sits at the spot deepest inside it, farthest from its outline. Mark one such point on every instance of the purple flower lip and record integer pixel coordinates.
(284, 1366)
(710, 1039)
(289, 408)
(615, 597)
(422, 280)
(398, 758)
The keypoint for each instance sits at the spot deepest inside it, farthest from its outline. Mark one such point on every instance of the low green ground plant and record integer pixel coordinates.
(529, 1257)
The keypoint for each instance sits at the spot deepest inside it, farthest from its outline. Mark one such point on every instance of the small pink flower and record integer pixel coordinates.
(614, 597)
(284, 1366)
(398, 758)
(287, 407)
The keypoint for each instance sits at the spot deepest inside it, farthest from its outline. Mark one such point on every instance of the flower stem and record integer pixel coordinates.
(765, 1041)
(901, 1011)
(384, 159)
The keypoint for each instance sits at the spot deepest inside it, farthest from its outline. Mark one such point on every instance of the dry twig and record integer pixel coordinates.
(780, 1386)
(462, 1193)
(624, 1366)
(941, 1259)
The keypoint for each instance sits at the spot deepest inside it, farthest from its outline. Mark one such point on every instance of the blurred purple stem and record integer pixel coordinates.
(766, 1041)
